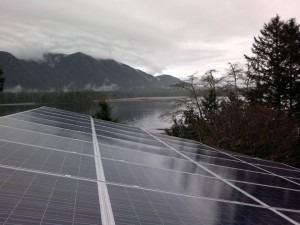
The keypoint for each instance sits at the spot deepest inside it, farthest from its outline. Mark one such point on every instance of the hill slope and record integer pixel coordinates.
(167, 80)
(77, 71)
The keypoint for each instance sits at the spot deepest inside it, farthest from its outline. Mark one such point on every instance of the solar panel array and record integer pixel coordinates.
(60, 167)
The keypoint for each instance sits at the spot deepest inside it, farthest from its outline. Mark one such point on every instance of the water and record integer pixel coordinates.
(144, 113)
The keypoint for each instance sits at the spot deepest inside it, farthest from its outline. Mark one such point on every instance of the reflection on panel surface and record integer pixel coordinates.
(180, 143)
(275, 197)
(58, 118)
(45, 129)
(263, 162)
(64, 112)
(283, 172)
(295, 180)
(167, 137)
(152, 160)
(84, 120)
(52, 122)
(80, 115)
(29, 198)
(225, 163)
(136, 206)
(206, 153)
(110, 129)
(252, 177)
(44, 140)
(294, 215)
(171, 181)
(41, 159)
(135, 139)
(136, 146)
(117, 126)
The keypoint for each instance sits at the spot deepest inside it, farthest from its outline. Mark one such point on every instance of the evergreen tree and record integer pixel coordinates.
(105, 111)
(276, 64)
(2, 79)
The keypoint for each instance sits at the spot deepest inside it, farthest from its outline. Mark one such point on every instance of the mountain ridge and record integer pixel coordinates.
(77, 71)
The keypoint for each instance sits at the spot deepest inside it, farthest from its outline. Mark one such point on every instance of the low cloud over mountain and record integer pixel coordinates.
(76, 71)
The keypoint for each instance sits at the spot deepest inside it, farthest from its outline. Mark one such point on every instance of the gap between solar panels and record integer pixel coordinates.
(104, 200)
(227, 182)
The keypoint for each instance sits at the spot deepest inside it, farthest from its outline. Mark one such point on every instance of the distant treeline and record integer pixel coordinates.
(81, 96)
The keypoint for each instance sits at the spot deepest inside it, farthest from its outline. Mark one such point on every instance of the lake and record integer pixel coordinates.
(144, 113)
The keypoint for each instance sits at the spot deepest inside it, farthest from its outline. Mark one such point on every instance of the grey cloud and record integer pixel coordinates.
(158, 36)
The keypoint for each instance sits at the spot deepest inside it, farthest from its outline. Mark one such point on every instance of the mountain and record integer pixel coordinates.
(76, 71)
(167, 80)
(17, 72)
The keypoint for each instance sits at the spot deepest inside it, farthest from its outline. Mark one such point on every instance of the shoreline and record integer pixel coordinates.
(109, 100)
(23, 103)
(144, 98)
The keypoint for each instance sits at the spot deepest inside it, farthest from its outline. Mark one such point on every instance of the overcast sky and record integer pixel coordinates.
(176, 37)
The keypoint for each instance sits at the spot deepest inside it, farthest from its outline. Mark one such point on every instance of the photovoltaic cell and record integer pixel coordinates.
(130, 138)
(44, 140)
(48, 175)
(117, 126)
(29, 198)
(45, 129)
(52, 123)
(283, 172)
(207, 153)
(57, 118)
(79, 120)
(252, 177)
(295, 180)
(79, 116)
(136, 206)
(264, 162)
(223, 162)
(167, 137)
(124, 132)
(180, 143)
(136, 146)
(275, 197)
(41, 159)
(171, 181)
(294, 215)
(195, 149)
(151, 160)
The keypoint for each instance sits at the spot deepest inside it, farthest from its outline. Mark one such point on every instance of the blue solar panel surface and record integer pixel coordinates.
(51, 173)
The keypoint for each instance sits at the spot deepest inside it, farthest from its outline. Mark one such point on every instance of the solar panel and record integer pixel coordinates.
(35, 198)
(40, 128)
(137, 206)
(61, 167)
(52, 122)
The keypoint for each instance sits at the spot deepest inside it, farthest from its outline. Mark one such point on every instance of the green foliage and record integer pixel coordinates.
(105, 111)
(210, 102)
(2, 79)
(276, 65)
